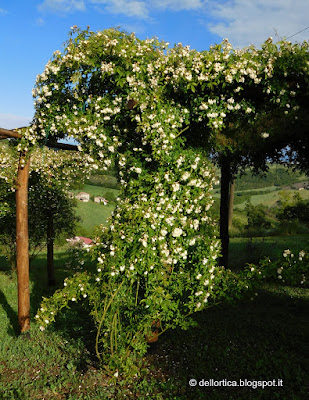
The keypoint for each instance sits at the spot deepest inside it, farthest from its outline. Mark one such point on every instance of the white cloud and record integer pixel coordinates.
(245, 22)
(2, 11)
(130, 8)
(40, 21)
(10, 121)
(137, 28)
(143, 8)
(242, 21)
(62, 6)
(178, 5)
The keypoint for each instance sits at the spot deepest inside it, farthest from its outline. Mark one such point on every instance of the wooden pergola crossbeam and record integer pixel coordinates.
(6, 133)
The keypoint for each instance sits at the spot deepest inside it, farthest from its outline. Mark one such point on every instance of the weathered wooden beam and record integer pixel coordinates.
(225, 164)
(9, 133)
(22, 243)
(6, 133)
(231, 202)
(62, 146)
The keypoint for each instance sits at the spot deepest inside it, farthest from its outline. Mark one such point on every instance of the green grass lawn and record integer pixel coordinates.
(93, 214)
(260, 339)
(244, 250)
(264, 339)
(271, 198)
(268, 198)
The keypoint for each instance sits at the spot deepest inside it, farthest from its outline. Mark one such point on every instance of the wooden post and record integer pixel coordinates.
(22, 242)
(224, 209)
(231, 202)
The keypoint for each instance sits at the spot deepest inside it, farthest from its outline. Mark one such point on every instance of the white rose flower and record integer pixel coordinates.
(175, 187)
(177, 232)
(185, 176)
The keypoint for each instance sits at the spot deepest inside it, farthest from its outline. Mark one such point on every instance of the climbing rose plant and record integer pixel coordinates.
(130, 104)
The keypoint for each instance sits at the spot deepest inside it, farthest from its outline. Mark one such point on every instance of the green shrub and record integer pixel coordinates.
(238, 227)
(289, 269)
(298, 210)
(108, 181)
(257, 216)
(291, 227)
(110, 196)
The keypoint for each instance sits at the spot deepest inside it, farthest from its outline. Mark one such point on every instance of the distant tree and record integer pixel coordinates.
(257, 218)
(293, 209)
(51, 211)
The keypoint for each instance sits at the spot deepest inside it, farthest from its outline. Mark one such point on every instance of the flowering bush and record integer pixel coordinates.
(156, 259)
(132, 104)
(290, 269)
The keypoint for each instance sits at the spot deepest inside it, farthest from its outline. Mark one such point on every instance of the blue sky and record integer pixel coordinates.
(30, 31)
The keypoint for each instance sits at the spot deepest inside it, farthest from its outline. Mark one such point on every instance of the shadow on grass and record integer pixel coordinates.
(11, 314)
(249, 251)
(252, 250)
(73, 324)
(265, 339)
(4, 265)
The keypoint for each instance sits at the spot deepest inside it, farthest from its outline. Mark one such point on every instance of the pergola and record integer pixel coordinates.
(22, 235)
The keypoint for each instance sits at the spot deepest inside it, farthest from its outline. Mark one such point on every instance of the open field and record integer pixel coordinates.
(271, 198)
(93, 214)
(257, 189)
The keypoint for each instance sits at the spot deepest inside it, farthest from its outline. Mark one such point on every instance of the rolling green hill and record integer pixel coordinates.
(256, 188)
(94, 214)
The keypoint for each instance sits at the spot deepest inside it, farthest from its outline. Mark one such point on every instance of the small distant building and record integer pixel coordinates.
(83, 196)
(301, 186)
(100, 199)
(85, 242)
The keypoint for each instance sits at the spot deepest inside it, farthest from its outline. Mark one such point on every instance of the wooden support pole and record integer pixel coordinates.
(224, 209)
(22, 243)
(231, 202)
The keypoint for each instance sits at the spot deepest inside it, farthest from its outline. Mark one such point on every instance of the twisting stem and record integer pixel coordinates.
(106, 307)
